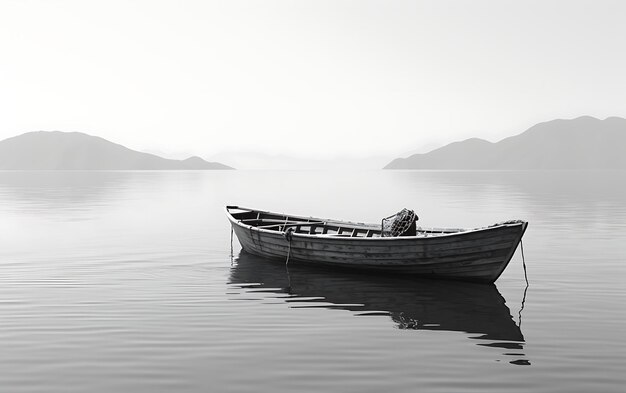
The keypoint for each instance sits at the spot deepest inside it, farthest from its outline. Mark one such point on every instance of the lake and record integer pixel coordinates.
(125, 281)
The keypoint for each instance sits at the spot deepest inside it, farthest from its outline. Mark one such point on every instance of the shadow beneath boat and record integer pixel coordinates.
(412, 303)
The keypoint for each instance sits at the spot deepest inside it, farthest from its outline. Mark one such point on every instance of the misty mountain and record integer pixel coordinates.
(581, 143)
(47, 150)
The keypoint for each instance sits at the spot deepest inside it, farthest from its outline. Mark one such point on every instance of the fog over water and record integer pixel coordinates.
(124, 280)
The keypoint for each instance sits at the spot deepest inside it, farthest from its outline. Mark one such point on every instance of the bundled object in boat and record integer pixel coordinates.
(403, 223)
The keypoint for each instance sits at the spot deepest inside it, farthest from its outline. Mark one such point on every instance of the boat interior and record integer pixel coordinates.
(316, 226)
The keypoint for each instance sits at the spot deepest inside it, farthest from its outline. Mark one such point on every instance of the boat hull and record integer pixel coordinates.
(475, 255)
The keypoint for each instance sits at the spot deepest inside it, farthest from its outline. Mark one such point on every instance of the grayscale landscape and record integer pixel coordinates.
(312, 196)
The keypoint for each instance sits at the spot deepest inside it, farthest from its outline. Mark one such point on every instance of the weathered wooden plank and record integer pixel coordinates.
(408, 241)
(382, 249)
(488, 273)
(459, 260)
(312, 253)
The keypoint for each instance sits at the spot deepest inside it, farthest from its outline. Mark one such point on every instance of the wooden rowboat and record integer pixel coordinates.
(479, 254)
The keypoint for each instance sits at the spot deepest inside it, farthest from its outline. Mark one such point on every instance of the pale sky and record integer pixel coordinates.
(306, 78)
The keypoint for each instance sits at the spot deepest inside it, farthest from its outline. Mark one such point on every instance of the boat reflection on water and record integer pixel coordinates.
(419, 304)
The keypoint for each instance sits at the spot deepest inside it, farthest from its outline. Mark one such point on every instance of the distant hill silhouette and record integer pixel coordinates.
(48, 150)
(581, 143)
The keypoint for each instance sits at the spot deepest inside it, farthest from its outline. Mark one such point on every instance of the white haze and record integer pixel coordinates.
(306, 79)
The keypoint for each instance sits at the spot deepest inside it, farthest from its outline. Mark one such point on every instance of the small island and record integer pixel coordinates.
(56, 150)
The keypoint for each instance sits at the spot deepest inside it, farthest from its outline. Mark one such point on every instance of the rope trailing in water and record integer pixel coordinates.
(288, 289)
(521, 243)
(288, 236)
(527, 284)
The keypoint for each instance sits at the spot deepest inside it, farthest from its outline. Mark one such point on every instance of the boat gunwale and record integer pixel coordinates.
(435, 234)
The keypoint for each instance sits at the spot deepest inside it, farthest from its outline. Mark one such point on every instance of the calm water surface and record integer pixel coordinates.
(124, 280)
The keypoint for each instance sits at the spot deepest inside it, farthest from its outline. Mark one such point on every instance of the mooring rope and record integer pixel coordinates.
(519, 317)
(288, 236)
(521, 243)
(288, 289)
